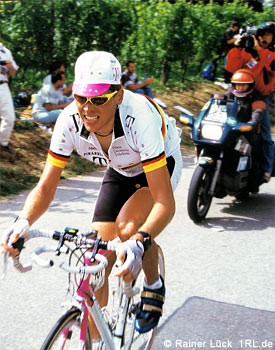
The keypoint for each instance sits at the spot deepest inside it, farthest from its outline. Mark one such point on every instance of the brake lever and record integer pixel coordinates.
(60, 244)
(95, 250)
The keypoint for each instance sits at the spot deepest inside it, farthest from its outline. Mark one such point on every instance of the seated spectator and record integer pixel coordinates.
(58, 66)
(50, 101)
(131, 82)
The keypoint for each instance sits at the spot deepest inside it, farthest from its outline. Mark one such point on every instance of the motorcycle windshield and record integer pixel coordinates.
(216, 113)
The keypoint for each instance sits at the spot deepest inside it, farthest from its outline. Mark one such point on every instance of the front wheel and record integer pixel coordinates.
(65, 334)
(199, 198)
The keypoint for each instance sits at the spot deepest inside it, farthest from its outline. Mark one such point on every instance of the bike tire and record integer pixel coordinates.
(199, 199)
(68, 325)
(142, 341)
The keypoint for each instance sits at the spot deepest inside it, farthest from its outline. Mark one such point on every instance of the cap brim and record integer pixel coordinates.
(89, 90)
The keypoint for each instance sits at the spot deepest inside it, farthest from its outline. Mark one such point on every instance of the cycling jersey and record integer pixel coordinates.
(142, 139)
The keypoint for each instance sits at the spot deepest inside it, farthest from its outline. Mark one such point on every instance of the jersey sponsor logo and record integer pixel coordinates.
(99, 154)
(251, 63)
(100, 160)
(84, 133)
(75, 122)
(129, 121)
(120, 151)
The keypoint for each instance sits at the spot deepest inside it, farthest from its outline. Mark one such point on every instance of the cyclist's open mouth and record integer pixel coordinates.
(91, 118)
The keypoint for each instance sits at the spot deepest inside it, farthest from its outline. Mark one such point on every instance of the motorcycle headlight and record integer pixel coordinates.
(211, 132)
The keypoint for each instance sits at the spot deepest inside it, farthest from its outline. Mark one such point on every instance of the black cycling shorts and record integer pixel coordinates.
(116, 189)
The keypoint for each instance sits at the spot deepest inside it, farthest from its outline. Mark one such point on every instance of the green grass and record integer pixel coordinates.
(22, 125)
(14, 180)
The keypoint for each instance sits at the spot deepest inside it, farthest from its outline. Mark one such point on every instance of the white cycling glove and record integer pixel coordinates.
(133, 250)
(20, 226)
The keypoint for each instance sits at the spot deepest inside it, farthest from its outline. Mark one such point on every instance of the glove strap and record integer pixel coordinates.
(147, 241)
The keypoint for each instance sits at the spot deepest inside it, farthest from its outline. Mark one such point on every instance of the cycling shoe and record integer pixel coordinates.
(149, 309)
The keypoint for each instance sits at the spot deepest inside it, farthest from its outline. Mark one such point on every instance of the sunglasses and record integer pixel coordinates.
(97, 100)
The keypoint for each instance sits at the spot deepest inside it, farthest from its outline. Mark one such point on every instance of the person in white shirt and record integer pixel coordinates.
(130, 81)
(54, 67)
(8, 68)
(50, 100)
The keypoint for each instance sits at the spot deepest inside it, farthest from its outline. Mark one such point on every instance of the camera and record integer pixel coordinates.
(247, 41)
(3, 62)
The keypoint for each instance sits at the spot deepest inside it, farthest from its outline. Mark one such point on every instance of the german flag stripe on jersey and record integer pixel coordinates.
(154, 163)
(57, 160)
(163, 128)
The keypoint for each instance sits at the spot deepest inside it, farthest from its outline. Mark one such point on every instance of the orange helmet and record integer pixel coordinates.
(243, 76)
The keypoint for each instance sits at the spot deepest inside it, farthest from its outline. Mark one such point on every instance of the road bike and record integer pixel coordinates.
(87, 260)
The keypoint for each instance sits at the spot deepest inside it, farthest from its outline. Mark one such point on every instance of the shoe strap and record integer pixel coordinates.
(153, 295)
(146, 307)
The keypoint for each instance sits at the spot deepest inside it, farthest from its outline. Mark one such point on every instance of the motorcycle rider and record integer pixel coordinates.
(251, 109)
(260, 59)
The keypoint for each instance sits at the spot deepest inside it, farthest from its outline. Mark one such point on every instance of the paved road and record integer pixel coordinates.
(220, 275)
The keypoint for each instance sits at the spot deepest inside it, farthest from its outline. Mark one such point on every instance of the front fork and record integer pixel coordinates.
(208, 161)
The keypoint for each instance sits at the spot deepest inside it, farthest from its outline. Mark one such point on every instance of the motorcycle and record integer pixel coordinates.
(225, 165)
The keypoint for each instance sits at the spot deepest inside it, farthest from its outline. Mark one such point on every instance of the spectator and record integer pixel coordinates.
(260, 59)
(228, 43)
(230, 37)
(50, 101)
(8, 69)
(131, 82)
(58, 66)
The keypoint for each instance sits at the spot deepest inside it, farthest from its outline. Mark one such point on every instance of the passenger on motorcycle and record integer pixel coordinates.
(260, 60)
(251, 110)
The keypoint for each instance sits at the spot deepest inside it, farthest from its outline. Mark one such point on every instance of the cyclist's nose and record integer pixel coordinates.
(88, 107)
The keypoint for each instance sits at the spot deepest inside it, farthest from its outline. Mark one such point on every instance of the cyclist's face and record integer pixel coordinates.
(100, 118)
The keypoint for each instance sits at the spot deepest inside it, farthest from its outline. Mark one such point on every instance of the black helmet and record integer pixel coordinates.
(267, 27)
(24, 98)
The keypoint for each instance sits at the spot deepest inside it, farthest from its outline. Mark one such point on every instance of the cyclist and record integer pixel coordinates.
(141, 146)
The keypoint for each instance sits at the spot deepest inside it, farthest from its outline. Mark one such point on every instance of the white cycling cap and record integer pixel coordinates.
(95, 71)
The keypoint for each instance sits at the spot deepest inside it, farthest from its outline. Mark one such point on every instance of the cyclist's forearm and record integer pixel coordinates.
(136, 86)
(158, 219)
(41, 196)
(36, 204)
